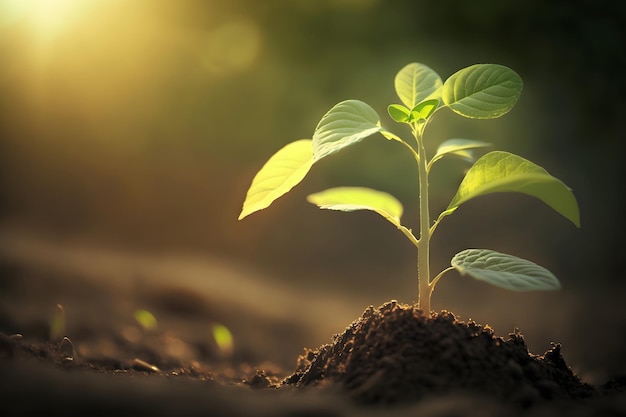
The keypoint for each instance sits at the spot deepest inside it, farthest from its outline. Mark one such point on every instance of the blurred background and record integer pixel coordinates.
(132, 129)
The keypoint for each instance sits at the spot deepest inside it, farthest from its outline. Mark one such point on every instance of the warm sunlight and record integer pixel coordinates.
(45, 18)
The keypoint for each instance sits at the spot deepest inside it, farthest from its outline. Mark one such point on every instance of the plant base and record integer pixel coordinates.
(395, 353)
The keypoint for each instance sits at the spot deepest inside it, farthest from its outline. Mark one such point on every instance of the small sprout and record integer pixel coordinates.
(482, 91)
(57, 324)
(223, 339)
(146, 319)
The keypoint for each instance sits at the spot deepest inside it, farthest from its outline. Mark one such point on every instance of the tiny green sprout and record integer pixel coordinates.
(223, 339)
(481, 91)
(57, 323)
(146, 319)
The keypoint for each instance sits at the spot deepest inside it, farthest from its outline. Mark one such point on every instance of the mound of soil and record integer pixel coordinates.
(395, 353)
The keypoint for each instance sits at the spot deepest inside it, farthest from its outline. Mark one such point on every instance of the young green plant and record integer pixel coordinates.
(482, 91)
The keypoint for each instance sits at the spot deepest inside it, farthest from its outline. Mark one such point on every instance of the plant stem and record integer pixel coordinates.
(423, 248)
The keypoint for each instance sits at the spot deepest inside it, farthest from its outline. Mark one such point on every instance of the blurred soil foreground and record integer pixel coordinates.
(391, 358)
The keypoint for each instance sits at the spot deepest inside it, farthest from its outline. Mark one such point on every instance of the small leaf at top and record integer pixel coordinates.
(424, 110)
(458, 147)
(500, 171)
(415, 83)
(399, 113)
(284, 170)
(345, 124)
(482, 91)
(505, 271)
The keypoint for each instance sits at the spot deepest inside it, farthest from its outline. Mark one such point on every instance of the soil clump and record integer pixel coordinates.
(395, 353)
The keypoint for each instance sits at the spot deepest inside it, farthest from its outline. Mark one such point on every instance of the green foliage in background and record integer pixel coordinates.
(482, 91)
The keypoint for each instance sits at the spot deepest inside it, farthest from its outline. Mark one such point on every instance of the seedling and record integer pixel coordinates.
(57, 324)
(145, 319)
(482, 91)
(223, 339)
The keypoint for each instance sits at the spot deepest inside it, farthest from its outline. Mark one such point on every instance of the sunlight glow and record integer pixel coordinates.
(44, 17)
(49, 16)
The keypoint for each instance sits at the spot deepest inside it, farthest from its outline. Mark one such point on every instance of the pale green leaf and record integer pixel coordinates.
(284, 170)
(482, 91)
(500, 171)
(390, 136)
(505, 271)
(415, 83)
(467, 155)
(458, 147)
(424, 110)
(345, 124)
(359, 198)
(399, 113)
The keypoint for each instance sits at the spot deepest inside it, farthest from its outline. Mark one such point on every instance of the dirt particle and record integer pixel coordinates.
(260, 380)
(141, 365)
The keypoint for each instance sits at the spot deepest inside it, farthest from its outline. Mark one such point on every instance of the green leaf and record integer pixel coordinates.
(482, 91)
(500, 171)
(284, 170)
(424, 110)
(345, 124)
(399, 113)
(420, 112)
(359, 198)
(415, 83)
(505, 271)
(390, 136)
(458, 147)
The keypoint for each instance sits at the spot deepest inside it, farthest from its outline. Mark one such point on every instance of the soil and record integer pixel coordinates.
(395, 353)
(392, 361)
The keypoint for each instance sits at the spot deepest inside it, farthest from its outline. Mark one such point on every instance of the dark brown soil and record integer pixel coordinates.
(395, 353)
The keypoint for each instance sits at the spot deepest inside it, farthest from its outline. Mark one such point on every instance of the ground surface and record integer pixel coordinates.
(392, 361)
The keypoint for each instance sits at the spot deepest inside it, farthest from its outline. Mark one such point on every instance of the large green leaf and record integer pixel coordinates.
(345, 124)
(482, 91)
(505, 271)
(284, 170)
(415, 83)
(458, 147)
(500, 171)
